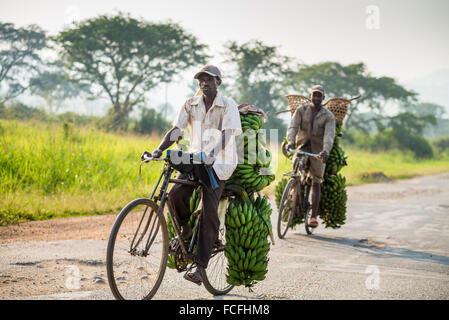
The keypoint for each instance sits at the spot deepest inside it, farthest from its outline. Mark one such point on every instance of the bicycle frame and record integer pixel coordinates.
(140, 244)
(299, 168)
(299, 173)
(161, 200)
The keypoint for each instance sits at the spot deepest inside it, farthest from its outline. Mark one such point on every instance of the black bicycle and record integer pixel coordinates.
(139, 244)
(295, 202)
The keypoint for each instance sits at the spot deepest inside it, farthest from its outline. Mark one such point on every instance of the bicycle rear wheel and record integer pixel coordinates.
(214, 276)
(286, 208)
(137, 251)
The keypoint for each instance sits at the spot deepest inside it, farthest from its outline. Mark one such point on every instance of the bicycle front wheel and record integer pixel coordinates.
(307, 209)
(137, 251)
(286, 208)
(214, 276)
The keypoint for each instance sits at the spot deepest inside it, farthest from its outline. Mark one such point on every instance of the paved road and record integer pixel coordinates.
(395, 245)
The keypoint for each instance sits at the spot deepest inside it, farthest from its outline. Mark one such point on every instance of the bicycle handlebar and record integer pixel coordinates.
(201, 159)
(313, 155)
(148, 159)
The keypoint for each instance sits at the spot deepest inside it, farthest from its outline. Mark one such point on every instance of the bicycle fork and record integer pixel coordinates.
(153, 232)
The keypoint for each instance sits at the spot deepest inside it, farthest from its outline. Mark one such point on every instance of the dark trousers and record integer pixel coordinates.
(179, 198)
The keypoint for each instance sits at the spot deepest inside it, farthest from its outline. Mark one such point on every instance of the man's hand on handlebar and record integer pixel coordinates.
(324, 156)
(157, 153)
(291, 146)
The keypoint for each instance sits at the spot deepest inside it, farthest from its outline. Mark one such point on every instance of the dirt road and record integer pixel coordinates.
(394, 245)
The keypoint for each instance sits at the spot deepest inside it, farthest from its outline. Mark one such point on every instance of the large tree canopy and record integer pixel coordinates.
(19, 58)
(126, 57)
(349, 81)
(425, 108)
(260, 71)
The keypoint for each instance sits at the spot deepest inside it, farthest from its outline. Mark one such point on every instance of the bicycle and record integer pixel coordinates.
(297, 189)
(139, 242)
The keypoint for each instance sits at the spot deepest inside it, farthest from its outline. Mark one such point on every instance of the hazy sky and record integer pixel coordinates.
(408, 41)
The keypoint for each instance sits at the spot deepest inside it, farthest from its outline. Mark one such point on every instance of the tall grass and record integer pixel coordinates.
(51, 170)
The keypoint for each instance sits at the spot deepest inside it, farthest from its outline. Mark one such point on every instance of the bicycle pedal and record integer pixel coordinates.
(190, 268)
(174, 245)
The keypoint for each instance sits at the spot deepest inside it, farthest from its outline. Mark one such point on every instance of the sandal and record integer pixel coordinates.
(194, 277)
(313, 223)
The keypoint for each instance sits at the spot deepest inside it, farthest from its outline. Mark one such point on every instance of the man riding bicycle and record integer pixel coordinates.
(214, 121)
(312, 129)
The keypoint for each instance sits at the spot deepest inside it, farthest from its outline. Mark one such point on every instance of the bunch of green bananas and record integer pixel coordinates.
(337, 157)
(247, 219)
(279, 190)
(333, 190)
(253, 172)
(337, 160)
(251, 121)
(250, 177)
(248, 225)
(252, 142)
(193, 205)
(333, 201)
(195, 200)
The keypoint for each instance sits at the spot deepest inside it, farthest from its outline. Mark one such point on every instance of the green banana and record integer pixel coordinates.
(248, 216)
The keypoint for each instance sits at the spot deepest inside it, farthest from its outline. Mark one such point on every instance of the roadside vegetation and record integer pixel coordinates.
(50, 170)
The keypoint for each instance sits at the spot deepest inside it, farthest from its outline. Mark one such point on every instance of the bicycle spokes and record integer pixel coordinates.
(134, 245)
(216, 269)
(138, 253)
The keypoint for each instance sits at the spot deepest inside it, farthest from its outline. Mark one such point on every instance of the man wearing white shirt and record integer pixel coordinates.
(214, 121)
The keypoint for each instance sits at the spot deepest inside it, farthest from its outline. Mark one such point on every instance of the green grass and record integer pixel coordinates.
(48, 172)
(393, 164)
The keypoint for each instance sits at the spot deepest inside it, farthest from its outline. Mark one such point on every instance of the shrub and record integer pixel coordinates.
(442, 144)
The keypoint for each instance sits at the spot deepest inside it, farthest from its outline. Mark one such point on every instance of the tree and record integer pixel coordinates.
(126, 58)
(425, 108)
(19, 111)
(19, 58)
(165, 109)
(54, 86)
(349, 81)
(151, 121)
(259, 74)
(407, 129)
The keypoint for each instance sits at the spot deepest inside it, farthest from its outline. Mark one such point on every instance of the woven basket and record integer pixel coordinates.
(338, 107)
(295, 101)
